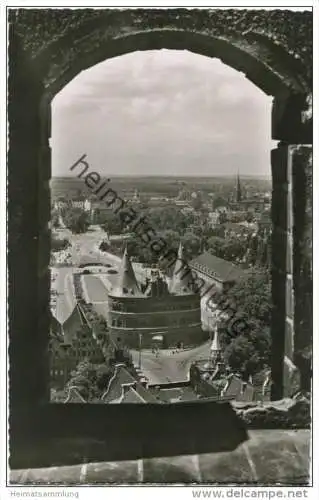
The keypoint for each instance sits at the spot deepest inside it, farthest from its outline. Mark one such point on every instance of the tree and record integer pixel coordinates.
(249, 217)
(168, 218)
(58, 396)
(197, 203)
(241, 356)
(249, 353)
(215, 245)
(230, 248)
(55, 219)
(219, 201)
(222, 218)
(91, 380)
(77, 220)
(246, 336)
(140, 252)
(191, 244)
(113, 225)
(82, 379)
(234, 249)
(253, 296)
(172, 239)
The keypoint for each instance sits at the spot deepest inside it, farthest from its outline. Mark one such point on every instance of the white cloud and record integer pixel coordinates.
(164, 111)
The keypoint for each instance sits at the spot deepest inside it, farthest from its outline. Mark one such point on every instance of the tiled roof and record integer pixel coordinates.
(216, 267)
(235, 226)
(114, 391)
(74, 322)
(56, 330)
(74, 396)
(126, 285)
(181, 277)
(132, 396)
(145, 394)
(122, 377)
(176, 394)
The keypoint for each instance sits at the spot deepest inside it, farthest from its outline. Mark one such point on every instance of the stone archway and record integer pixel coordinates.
(49, 47)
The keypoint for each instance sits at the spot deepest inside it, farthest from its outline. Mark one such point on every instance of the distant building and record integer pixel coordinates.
(264, 222)
(213, 219)
(174, 393)
(236, 215)
(60, 204)
(235, 229)
(216, 271)
(253, 203)
(83, 204)
(160, 201)
(211, 377)
(241, 202)
(126, 386)
(78, 204)
(182, 203)
(187, 210)
(184, 195)
(156, 314)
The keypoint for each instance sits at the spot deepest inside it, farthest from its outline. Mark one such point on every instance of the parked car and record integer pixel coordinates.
(112, 271)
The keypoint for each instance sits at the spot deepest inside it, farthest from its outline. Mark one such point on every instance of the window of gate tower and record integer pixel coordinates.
(160, 233)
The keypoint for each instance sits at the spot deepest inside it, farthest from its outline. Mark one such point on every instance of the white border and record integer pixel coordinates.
(144, 491)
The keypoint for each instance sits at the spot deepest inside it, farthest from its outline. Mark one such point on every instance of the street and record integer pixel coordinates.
(95, 292)
(168, 367)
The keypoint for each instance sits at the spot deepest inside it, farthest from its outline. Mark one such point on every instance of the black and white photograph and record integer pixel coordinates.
(159, 248)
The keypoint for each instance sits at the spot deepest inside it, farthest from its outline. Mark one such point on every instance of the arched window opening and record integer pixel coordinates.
(212, 217)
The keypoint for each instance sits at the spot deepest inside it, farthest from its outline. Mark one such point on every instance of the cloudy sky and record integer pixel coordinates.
(162, 113)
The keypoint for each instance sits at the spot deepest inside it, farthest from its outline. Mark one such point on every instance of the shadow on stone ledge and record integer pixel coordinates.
(125, 432)
(269, 457)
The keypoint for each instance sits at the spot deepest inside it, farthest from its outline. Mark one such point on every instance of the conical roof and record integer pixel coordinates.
(182, 275)
(126, 285)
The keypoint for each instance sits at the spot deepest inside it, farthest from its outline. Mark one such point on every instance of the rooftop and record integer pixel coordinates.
(221, 269)
(125, 388)
(181, 275)
(126, 285)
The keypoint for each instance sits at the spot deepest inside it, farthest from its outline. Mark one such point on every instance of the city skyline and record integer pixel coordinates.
(150, 96)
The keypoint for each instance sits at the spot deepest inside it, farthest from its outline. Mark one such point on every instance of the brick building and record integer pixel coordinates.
(155, 313)
(70, 343)
(216, 271)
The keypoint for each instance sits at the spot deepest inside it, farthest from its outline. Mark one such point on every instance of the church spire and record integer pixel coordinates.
(126, 284)
(181, 275)
(238, 190)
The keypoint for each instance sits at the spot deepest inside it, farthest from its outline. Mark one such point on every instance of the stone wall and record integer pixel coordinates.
(277, 458)
(291, 244)
(280, 39)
